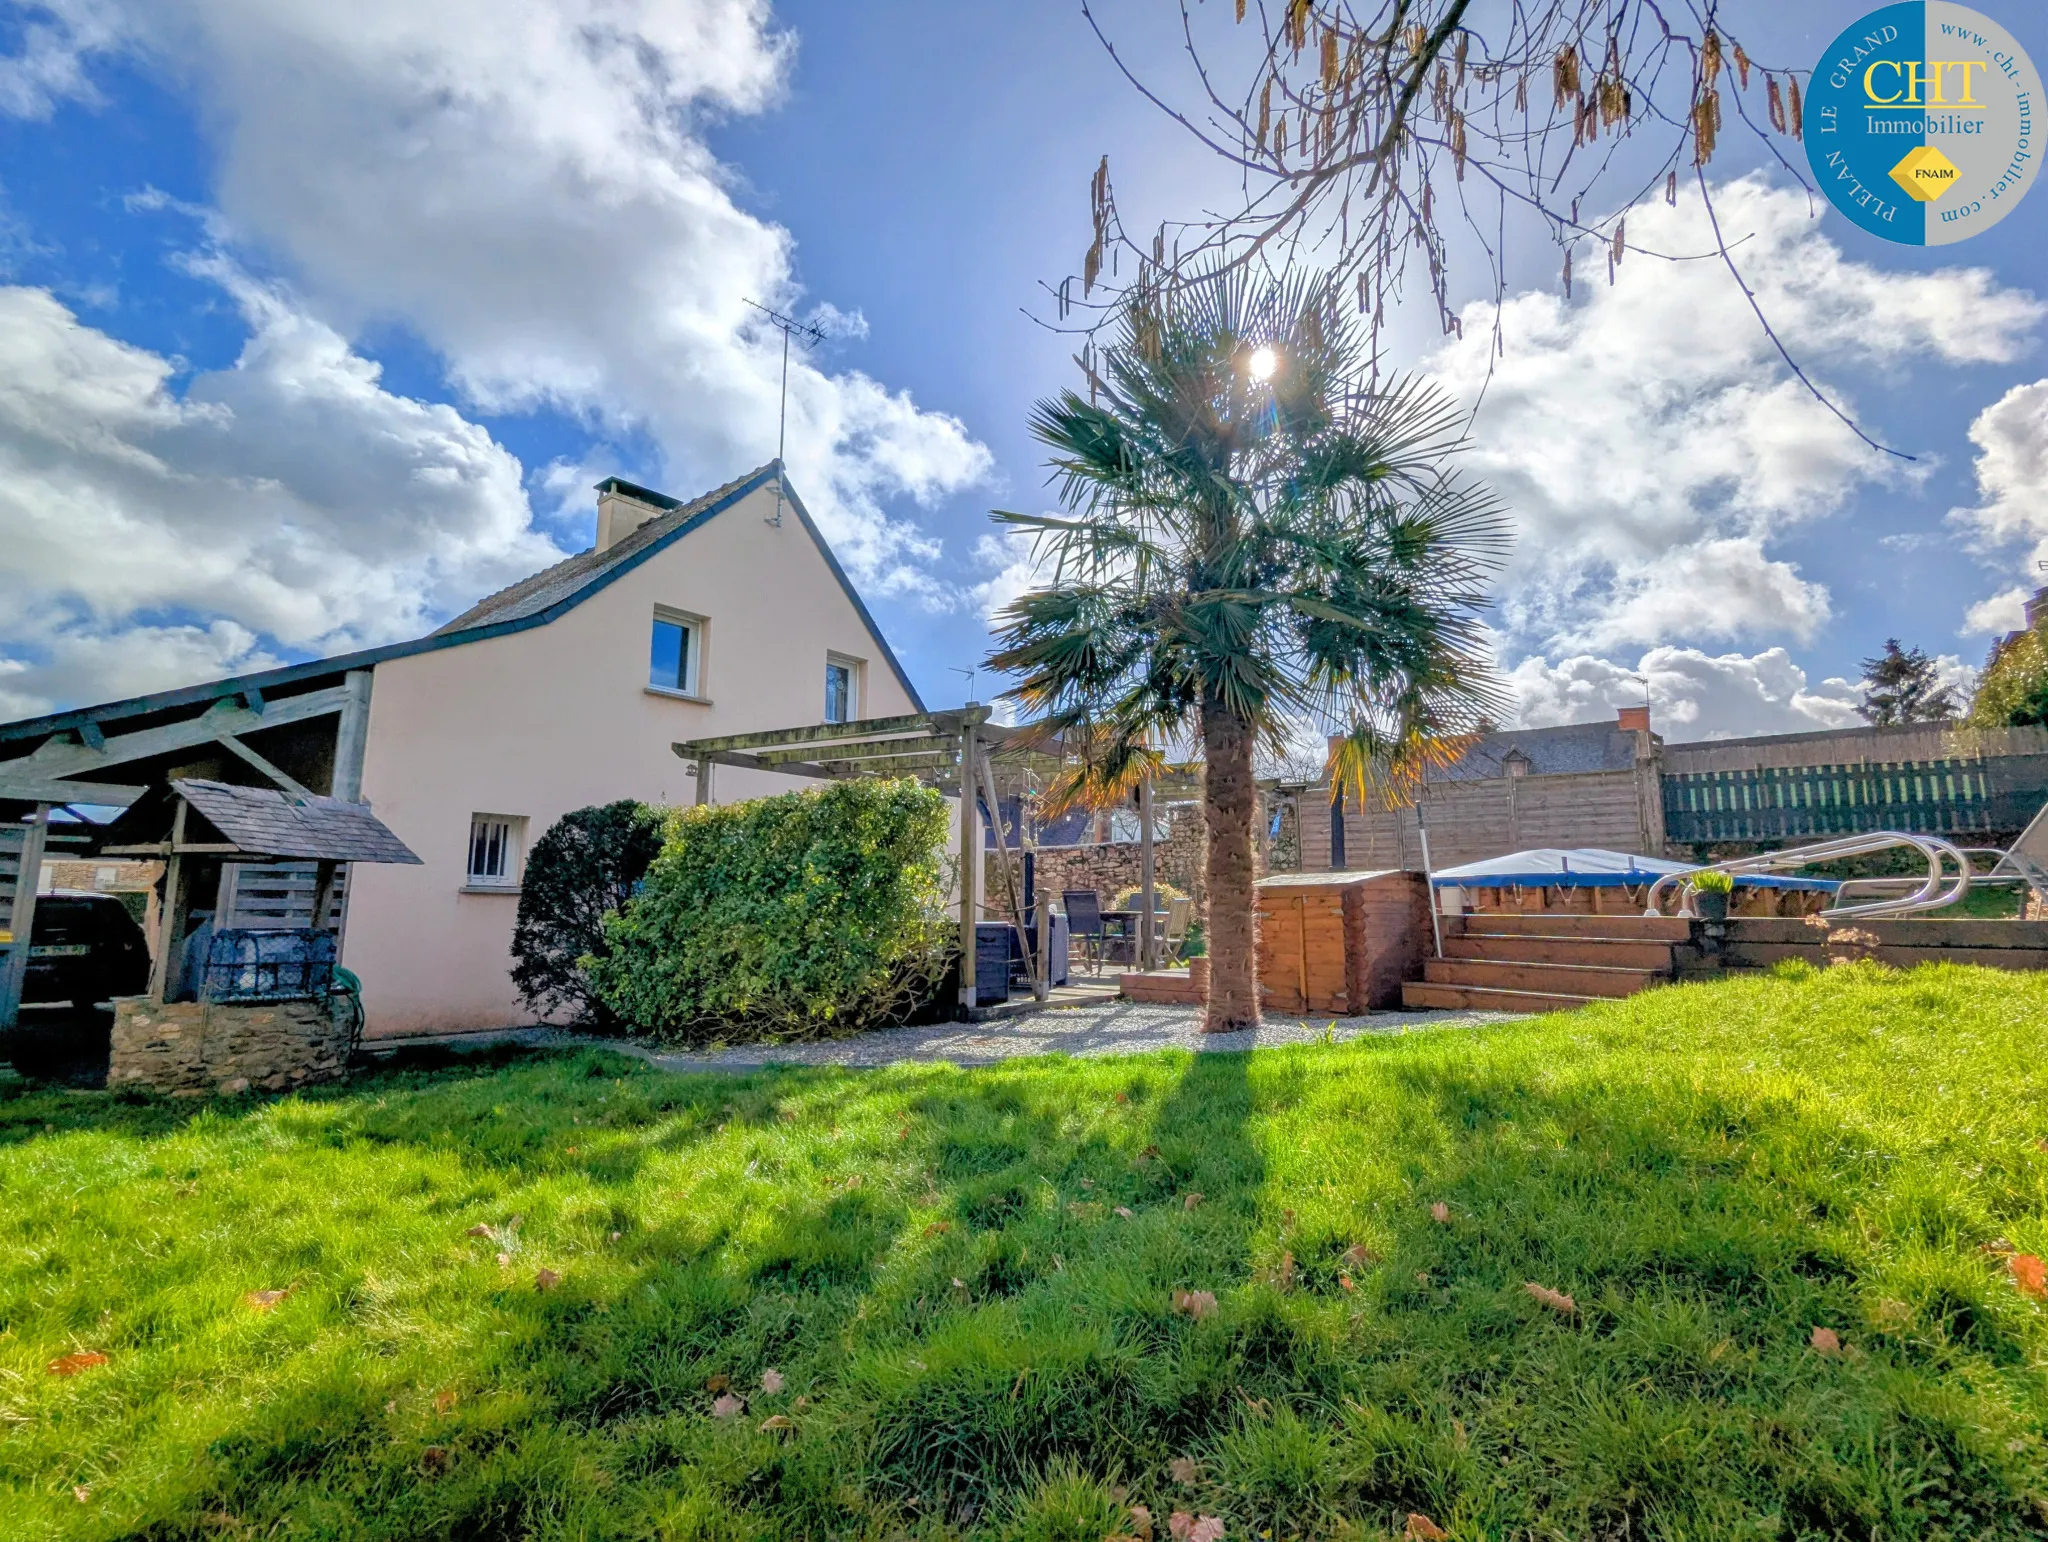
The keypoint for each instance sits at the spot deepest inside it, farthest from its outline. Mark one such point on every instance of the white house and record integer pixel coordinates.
(685, 620)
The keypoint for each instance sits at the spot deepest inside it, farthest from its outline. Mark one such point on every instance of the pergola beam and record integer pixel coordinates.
(930, 723)
(54, 758)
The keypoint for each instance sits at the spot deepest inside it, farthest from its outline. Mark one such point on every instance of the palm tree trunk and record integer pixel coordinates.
(1230, 797)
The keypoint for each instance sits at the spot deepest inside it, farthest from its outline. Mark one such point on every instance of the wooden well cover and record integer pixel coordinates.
(1340, 942)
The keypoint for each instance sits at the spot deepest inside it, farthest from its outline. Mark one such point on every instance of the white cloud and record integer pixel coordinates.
(1698, 695)
(149, 538)
(2011, 436)
(2005, 611)
(1693, 694)
(56, 38)
(1652, 445)
(525, 184)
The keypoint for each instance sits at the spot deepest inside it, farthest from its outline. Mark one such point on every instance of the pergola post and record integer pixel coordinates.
(704, 764)
(351, 736)
(970, 861)
(22, 923)
(1148, 955)
(171, 921)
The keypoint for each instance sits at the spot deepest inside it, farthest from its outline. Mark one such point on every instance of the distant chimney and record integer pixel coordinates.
(1634, 720)
(622, 508)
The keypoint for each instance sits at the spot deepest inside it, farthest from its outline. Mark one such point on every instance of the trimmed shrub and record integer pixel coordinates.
(579, 873)
(800, 916)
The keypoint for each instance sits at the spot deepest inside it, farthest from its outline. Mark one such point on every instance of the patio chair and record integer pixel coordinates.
(1178, 913)
(1085, 924)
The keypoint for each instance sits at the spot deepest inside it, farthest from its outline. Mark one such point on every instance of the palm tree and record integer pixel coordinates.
(1259, 544)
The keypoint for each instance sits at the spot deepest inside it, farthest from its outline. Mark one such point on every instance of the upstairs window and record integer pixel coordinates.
(842, 690)
(675, 653)
(494, 851)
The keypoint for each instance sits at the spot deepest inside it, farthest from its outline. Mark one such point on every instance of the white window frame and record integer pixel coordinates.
(856, 682)
(698, 631)
(512, 857)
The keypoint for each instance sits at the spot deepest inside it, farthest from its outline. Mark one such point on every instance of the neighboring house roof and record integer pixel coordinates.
(1574, 747)
(263, 822)
(531, 602)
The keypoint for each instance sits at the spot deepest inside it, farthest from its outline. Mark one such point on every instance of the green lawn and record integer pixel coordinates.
(972, 1337)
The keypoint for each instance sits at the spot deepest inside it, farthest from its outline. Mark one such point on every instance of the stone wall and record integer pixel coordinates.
(190, 1048)
(1110, 866)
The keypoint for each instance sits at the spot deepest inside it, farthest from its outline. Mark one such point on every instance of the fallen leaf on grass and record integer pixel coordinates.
(1192, 1200)
(1345, 1281)
(1997, 1247)
(1440, 1213)
(771, 1381)
(265, 1300)
(1125, 1211)
(1421, 1528)
(480, 1230)
(546, 1279)
(1123, 1097)
(1087, 1183)
(1359, 1256)
(1195, 1303)
(78, 1360)
(776, 1422)
(504, 1260)
(728, 1405)
(938, 1228)
(446, 1399)
(1149, 1154)
(81, 1492)
(718, 1383)
(616, 1235)
(1183, 1469)
(2028, 1273)
(1826, 1341)
(1556, 1300)
(434, 1460)
(1190, 1528)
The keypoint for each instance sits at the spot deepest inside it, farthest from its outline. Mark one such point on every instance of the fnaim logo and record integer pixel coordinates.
(1921, 123)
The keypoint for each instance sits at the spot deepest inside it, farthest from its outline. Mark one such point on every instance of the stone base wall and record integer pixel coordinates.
(191, 1048)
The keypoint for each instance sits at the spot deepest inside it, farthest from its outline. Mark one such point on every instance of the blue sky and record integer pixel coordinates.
(315, 326)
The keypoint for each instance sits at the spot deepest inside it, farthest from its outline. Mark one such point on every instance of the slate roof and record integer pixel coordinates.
(1574, 747)
(263, 822)
(571, 576)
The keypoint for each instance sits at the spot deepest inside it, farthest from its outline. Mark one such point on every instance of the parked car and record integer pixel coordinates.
(84, 948)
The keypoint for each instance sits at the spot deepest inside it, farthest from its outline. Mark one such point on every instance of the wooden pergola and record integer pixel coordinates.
(964, 755)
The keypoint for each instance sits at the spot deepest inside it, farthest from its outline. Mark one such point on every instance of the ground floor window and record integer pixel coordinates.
(494, 850)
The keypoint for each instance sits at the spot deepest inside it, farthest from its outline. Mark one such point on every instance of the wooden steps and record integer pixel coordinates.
(1477, 998)
(1547, 963)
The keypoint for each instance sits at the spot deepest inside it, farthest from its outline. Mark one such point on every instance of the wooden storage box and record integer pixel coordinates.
(1340, 942)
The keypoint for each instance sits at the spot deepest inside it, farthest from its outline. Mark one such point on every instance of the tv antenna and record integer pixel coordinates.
(970, 684)
(812, 335)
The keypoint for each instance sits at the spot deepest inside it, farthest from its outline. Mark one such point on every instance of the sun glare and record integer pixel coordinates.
(1262, 363)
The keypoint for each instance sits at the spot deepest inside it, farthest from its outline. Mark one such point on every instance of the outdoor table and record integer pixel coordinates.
(1126, 928)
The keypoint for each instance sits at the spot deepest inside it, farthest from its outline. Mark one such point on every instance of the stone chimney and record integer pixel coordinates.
(1634, 719)
(623, 508)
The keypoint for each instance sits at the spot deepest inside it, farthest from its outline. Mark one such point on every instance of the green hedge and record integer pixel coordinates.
(577, 875)
(800, 916)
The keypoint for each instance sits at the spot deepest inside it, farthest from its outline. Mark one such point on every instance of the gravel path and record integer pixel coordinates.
(1114, 1028)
